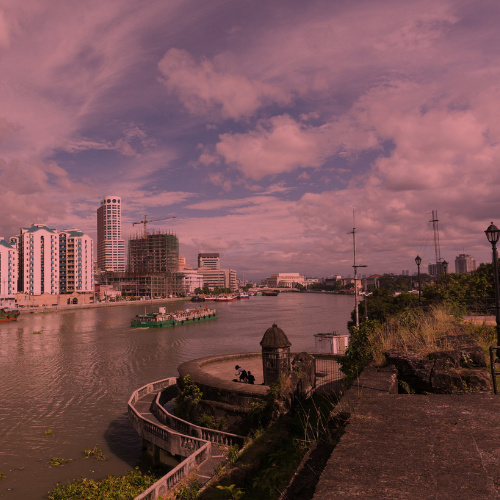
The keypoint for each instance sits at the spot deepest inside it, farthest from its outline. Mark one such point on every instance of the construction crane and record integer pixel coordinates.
(146, 220)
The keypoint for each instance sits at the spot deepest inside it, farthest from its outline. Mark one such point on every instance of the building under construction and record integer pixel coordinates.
(156, 252)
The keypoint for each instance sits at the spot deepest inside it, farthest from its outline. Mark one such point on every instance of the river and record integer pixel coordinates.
(76, 376)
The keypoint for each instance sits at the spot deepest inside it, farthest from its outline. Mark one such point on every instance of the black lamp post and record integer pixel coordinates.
(493, 233)
(418, 261)
(445, 269)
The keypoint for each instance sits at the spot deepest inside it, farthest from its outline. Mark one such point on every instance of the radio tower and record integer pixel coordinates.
(435, 226)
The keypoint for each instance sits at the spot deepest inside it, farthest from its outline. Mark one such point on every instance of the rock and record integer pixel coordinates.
(458, 367)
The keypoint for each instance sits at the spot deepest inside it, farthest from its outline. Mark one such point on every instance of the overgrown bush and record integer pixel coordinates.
(189, 397)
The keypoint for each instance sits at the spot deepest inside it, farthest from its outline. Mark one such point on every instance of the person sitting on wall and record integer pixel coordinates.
(241, 372)
(250, 377)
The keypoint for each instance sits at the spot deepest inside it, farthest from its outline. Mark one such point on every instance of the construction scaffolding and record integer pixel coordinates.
(157, 252)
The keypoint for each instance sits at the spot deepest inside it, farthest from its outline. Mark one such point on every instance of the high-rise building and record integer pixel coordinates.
(209, 260)
(38, 250)
(8, 271)
(156, 253)
(465, 264)
(76, 273)
(110, 246)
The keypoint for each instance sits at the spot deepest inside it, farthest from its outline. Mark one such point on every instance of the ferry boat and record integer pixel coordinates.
(8, 314)
(164, 319)
(243, 296)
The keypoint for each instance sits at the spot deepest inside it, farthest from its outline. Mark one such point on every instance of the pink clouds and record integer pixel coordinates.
(202, 88)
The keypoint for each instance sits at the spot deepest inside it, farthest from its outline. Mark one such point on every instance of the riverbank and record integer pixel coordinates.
(47, 309)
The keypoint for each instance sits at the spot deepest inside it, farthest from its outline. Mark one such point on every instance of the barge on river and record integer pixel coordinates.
(164, 319)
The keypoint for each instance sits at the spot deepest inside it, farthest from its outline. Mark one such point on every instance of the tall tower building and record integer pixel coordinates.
(209, 260)
(465, 264)
(110, 246)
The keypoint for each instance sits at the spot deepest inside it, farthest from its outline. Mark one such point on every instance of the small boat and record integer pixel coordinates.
(198, 298)
(270, 294)
(8, 314)
(164, 319)
(224, 298)
(243, 296)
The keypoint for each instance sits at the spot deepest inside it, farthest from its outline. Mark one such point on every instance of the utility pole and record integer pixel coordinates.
(355, 266)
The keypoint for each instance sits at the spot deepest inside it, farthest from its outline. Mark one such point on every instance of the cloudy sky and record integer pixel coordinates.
(260, 125)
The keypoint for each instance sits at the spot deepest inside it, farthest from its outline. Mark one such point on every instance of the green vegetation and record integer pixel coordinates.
(114, 488)
(271, 457)
(2, 475)
(187, 400)
(57, 462)
(48, 432)
(210, 422)
(37, 333)
(94, 453)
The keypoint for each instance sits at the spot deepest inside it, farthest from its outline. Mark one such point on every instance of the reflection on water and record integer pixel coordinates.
(76, 376)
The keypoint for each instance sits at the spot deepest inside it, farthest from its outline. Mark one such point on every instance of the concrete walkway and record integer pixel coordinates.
(416, 447)
(218, 454)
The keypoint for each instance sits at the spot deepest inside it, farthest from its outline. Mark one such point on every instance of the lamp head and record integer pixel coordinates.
(418, 260)
(445, 266)
(492, 233)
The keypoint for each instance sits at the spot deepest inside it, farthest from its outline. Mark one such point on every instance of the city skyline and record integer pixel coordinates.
(260, 126)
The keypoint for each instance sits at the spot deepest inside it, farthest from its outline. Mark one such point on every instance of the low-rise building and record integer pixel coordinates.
(285, 280)
(189, 280)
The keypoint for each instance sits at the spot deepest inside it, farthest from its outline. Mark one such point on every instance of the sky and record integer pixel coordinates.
(262, 126)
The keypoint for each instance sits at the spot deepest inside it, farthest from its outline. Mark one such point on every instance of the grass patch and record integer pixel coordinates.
(113, 487)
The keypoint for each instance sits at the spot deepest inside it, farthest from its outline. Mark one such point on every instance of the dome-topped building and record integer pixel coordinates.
(275, 354)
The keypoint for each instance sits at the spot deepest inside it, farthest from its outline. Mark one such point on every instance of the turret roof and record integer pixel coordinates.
(275, 337)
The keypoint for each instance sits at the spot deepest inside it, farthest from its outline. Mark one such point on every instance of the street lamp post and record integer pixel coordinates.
(418, 261)
(493, 233)
(445, 269)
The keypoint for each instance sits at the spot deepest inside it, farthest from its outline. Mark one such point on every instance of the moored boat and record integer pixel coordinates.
(8, 314)
(164, 319)
(243, 296)
(224, 298)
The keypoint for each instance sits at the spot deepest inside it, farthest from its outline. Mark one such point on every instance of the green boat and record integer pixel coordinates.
(164, 319)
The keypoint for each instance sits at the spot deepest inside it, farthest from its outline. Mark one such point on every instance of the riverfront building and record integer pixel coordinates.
(110, 245)
(156, 253)
(285, 280)
(219, 278)
(465, 264)
(76, 271)
(209, 260)
(8, 272)
(38, 250)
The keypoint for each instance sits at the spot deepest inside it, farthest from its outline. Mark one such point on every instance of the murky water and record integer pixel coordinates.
(76, 376)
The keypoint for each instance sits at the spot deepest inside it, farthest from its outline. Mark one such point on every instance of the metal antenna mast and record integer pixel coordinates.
(435, 226)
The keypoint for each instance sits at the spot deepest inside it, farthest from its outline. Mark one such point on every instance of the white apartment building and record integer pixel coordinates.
(38, 250)
(76, 272)
(189, 280)
(219, 278)
(110, 245)
(8, 272)
(285, 280)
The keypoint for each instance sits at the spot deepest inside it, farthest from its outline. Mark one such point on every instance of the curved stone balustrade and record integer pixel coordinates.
(190, 429)
(174, 435)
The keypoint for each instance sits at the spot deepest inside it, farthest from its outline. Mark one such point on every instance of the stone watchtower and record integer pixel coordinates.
(275, 354)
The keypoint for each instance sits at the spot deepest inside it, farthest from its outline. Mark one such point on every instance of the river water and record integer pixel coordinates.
(76, 376)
